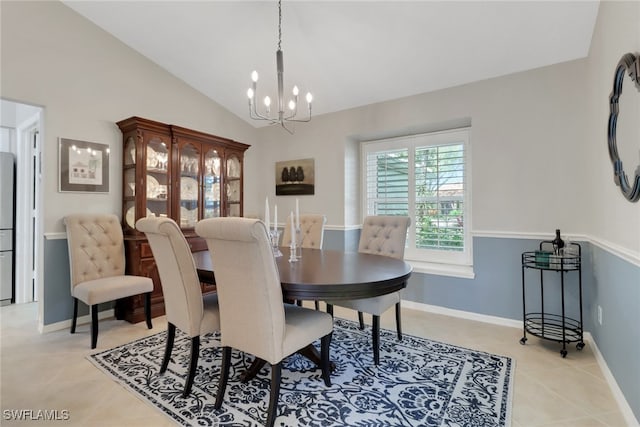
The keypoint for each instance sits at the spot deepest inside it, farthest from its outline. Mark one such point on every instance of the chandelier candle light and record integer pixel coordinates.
(281, 119)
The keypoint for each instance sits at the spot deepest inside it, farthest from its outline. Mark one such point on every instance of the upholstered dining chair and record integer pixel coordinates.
(381, 235)
(253, 317)
(97, 266)
(311, 231)
(184, 304)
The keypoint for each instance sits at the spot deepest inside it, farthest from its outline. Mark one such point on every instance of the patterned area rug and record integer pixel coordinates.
(419, 382)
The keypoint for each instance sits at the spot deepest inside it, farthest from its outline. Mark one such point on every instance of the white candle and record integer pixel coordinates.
(293, 233)
(275, 218)
(266, 212)
(297, 215)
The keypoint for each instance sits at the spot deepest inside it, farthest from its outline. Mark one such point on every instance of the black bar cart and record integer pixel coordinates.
(550, 326)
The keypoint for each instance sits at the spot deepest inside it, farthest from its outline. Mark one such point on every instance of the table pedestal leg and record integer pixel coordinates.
(253, 370)
(310, 352)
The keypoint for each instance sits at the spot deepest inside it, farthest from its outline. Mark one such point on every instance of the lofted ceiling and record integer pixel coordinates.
(347, 53)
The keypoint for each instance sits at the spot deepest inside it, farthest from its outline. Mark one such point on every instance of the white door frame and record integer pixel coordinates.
(28, 211)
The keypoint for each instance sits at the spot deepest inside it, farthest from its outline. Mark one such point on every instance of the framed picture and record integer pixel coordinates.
(295, 177)
(83, 166)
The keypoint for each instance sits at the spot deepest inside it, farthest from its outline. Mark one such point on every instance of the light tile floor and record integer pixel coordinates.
(50, 372)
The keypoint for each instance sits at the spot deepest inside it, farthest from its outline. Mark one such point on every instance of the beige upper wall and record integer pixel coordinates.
(527, 139)
(87, 80)
(612, 218)
(539, 144)
(538, 149)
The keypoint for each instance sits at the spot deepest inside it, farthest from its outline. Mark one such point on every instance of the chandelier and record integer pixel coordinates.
(283, 117)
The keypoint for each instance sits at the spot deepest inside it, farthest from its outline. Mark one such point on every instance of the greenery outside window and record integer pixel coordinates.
(424, 176)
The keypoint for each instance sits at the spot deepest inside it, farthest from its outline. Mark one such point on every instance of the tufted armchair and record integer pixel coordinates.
(97, 266)
(312, 234)
(381, 235)
(311, 230)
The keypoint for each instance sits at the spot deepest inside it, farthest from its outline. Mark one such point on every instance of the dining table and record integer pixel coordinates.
(323, 274)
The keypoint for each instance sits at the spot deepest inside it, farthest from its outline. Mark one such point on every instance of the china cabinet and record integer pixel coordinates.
(179, 173)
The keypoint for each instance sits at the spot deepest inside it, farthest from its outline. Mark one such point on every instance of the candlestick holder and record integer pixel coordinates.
(298, 238)
(274, 235)
(292, 252)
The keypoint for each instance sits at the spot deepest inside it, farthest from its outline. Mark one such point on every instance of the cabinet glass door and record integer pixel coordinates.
(188, 182)
(211, 177)
(129, 191)
(233, 186)
(157, 179)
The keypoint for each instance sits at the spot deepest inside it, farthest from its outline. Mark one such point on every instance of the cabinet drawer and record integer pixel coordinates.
(145, 251)
(6, 240)
(197, 244)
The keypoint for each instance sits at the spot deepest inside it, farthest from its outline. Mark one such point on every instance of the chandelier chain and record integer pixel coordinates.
(279, 24)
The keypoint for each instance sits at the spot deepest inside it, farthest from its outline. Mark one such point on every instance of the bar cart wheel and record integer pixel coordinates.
(563, 352)
(523, 340)
(580, 346)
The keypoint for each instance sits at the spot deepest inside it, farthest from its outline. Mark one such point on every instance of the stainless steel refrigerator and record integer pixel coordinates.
(7, 227)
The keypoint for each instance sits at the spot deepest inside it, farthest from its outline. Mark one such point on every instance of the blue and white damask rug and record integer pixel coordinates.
(419, 382)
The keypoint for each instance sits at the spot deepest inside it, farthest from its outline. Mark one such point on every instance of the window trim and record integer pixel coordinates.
(428, 261)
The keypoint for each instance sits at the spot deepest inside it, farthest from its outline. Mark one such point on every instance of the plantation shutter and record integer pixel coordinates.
(440, 189)
(387, 182)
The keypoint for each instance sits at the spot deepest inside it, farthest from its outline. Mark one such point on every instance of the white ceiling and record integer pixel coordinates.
(347, 53)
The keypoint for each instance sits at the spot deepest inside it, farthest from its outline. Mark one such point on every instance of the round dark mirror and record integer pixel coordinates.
(624, 127)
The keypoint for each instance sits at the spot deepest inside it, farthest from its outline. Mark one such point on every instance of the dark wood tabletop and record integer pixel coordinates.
(329, 275)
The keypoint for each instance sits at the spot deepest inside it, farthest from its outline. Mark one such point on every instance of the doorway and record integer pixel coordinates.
(22, 133)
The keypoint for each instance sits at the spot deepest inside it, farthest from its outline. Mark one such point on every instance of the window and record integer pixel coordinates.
(426, 177)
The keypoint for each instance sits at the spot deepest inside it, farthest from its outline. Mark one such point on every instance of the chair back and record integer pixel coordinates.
(96, 247)
(178, 275)
(311, 230)
(384, 235)
(248, 285)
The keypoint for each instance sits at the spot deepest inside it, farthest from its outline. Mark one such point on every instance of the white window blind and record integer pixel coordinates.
(387, 182)
(439, 207)
(426, 177)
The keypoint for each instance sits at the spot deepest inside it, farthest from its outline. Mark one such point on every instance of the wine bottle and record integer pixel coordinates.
(558, 243)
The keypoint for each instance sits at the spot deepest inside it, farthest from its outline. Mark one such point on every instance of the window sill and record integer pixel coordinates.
(452, 270)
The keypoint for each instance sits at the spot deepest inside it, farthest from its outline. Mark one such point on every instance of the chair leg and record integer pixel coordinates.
(94, 325)
(325, 343)
(376, 339)
(147, 309)
(330, 309)
(275, 393)
(398, 322)
(224, 375)
(171, 334)
(361, 320)
(75, 315)
(193, 365)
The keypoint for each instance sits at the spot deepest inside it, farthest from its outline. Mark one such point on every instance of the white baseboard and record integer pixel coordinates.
(82, 320)
(501, 321)
(617, 393)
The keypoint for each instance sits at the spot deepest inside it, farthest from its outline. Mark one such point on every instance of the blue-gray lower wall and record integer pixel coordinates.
(616, 288)
(496, 289)
(58, 305)
(607, 281)
(341, 240)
